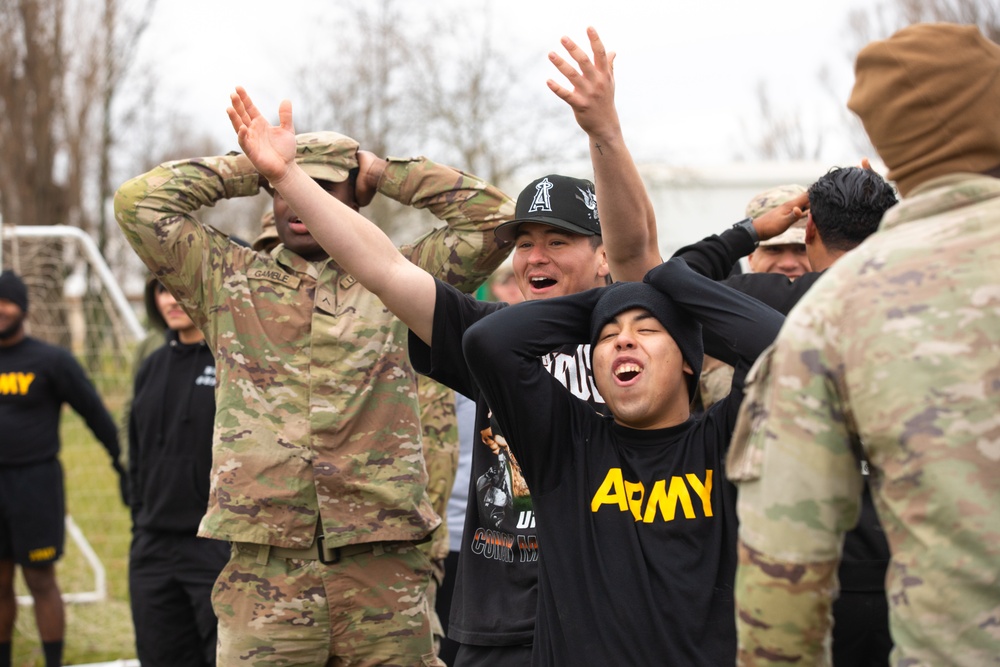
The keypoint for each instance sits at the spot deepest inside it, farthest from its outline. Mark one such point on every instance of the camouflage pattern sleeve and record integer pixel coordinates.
(465, 251)
(154, 211)
(439, 428)
(794, 460)
(798, 597)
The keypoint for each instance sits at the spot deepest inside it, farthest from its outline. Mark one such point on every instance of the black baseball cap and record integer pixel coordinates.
(558, 201)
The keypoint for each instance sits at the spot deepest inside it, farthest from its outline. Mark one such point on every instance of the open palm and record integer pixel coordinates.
(271, 148)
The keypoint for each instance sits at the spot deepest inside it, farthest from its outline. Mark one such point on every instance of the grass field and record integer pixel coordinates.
(95, 632)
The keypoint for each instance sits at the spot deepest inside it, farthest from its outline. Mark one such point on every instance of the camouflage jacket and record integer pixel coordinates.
(892, 357)
(440, 432)
(317, 412)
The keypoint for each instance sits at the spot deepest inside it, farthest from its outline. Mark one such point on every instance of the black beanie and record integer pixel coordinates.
(13, 289)
(685, 330)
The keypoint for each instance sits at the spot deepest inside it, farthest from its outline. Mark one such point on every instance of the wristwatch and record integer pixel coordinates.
(747, 224)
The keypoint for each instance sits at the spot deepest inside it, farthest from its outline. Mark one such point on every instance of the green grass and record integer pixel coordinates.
(95, 632)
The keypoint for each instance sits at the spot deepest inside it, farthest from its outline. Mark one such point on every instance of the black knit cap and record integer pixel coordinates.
(684, 329)
(558, 201)
(13, 289)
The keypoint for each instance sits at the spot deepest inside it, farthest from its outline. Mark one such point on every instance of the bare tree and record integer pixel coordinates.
(32, 74)
(883, 19)
(479, 112)
(364, 96)
(781, 135)
(58, 79)
(399, 90)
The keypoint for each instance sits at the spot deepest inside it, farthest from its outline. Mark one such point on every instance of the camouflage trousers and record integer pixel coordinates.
(367, 609)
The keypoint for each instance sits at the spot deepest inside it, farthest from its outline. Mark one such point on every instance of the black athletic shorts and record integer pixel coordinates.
(32, 513)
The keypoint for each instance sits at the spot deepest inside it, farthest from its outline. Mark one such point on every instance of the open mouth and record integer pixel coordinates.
(540, 282)
(297, 226)
(627, 371)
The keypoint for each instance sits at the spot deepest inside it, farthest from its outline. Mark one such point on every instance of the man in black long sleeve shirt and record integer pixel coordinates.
(636, 523)
(35, 380)
(846, 206)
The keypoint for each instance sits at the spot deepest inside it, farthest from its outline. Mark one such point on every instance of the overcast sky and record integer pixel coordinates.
(686, 71)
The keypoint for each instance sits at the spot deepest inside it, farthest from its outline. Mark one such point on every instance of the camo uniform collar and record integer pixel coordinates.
(296, 264)
(941, 195)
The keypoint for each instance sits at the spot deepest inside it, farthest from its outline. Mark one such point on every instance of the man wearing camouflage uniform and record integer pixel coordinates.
(318, 477)
(891, 358)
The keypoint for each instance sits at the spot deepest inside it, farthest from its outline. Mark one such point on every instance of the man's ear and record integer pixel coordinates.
(750, 260)
(811, 232)
(687, 368)
(603, 270)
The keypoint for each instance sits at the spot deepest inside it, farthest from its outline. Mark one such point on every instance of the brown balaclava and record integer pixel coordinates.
(929, 98)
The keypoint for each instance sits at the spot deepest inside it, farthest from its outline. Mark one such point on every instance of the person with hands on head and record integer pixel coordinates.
(318, 476)
(636, 523)
(36, 379)
(849, 204)
(558, 239)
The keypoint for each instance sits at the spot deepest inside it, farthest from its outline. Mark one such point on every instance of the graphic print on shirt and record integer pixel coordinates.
(16, 383)
(507, 530)
(207, 377)
(502, 489)
(666, 501)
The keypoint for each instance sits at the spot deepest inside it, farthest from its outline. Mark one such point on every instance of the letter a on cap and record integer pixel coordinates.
(541, 201)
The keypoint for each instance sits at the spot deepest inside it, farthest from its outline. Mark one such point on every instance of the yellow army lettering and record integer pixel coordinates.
(45, 553)
(16, 383)
(629, 496)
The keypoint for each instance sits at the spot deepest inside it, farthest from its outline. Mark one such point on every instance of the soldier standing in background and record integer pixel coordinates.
(36, 379)
(891, 358)
(318, 476)
(786, 252)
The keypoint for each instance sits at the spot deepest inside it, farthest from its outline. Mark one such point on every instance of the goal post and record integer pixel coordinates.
(77, 301)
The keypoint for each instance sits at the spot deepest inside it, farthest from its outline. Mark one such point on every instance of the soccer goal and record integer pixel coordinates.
(77, 300)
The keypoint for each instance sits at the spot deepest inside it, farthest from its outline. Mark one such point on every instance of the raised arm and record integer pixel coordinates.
(503, 353)
(354, 242)
(737, 328)
(156, 214)
(627, 219)
(714, 256)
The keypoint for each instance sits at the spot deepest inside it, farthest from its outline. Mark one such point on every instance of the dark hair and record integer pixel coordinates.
(847, 205)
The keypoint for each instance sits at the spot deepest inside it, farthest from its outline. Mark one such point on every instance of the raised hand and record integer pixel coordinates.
(782, 216)
(271, 148)
(593, 96)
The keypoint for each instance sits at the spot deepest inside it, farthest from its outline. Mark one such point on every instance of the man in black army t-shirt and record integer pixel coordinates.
(35, 380)
(636, 522)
